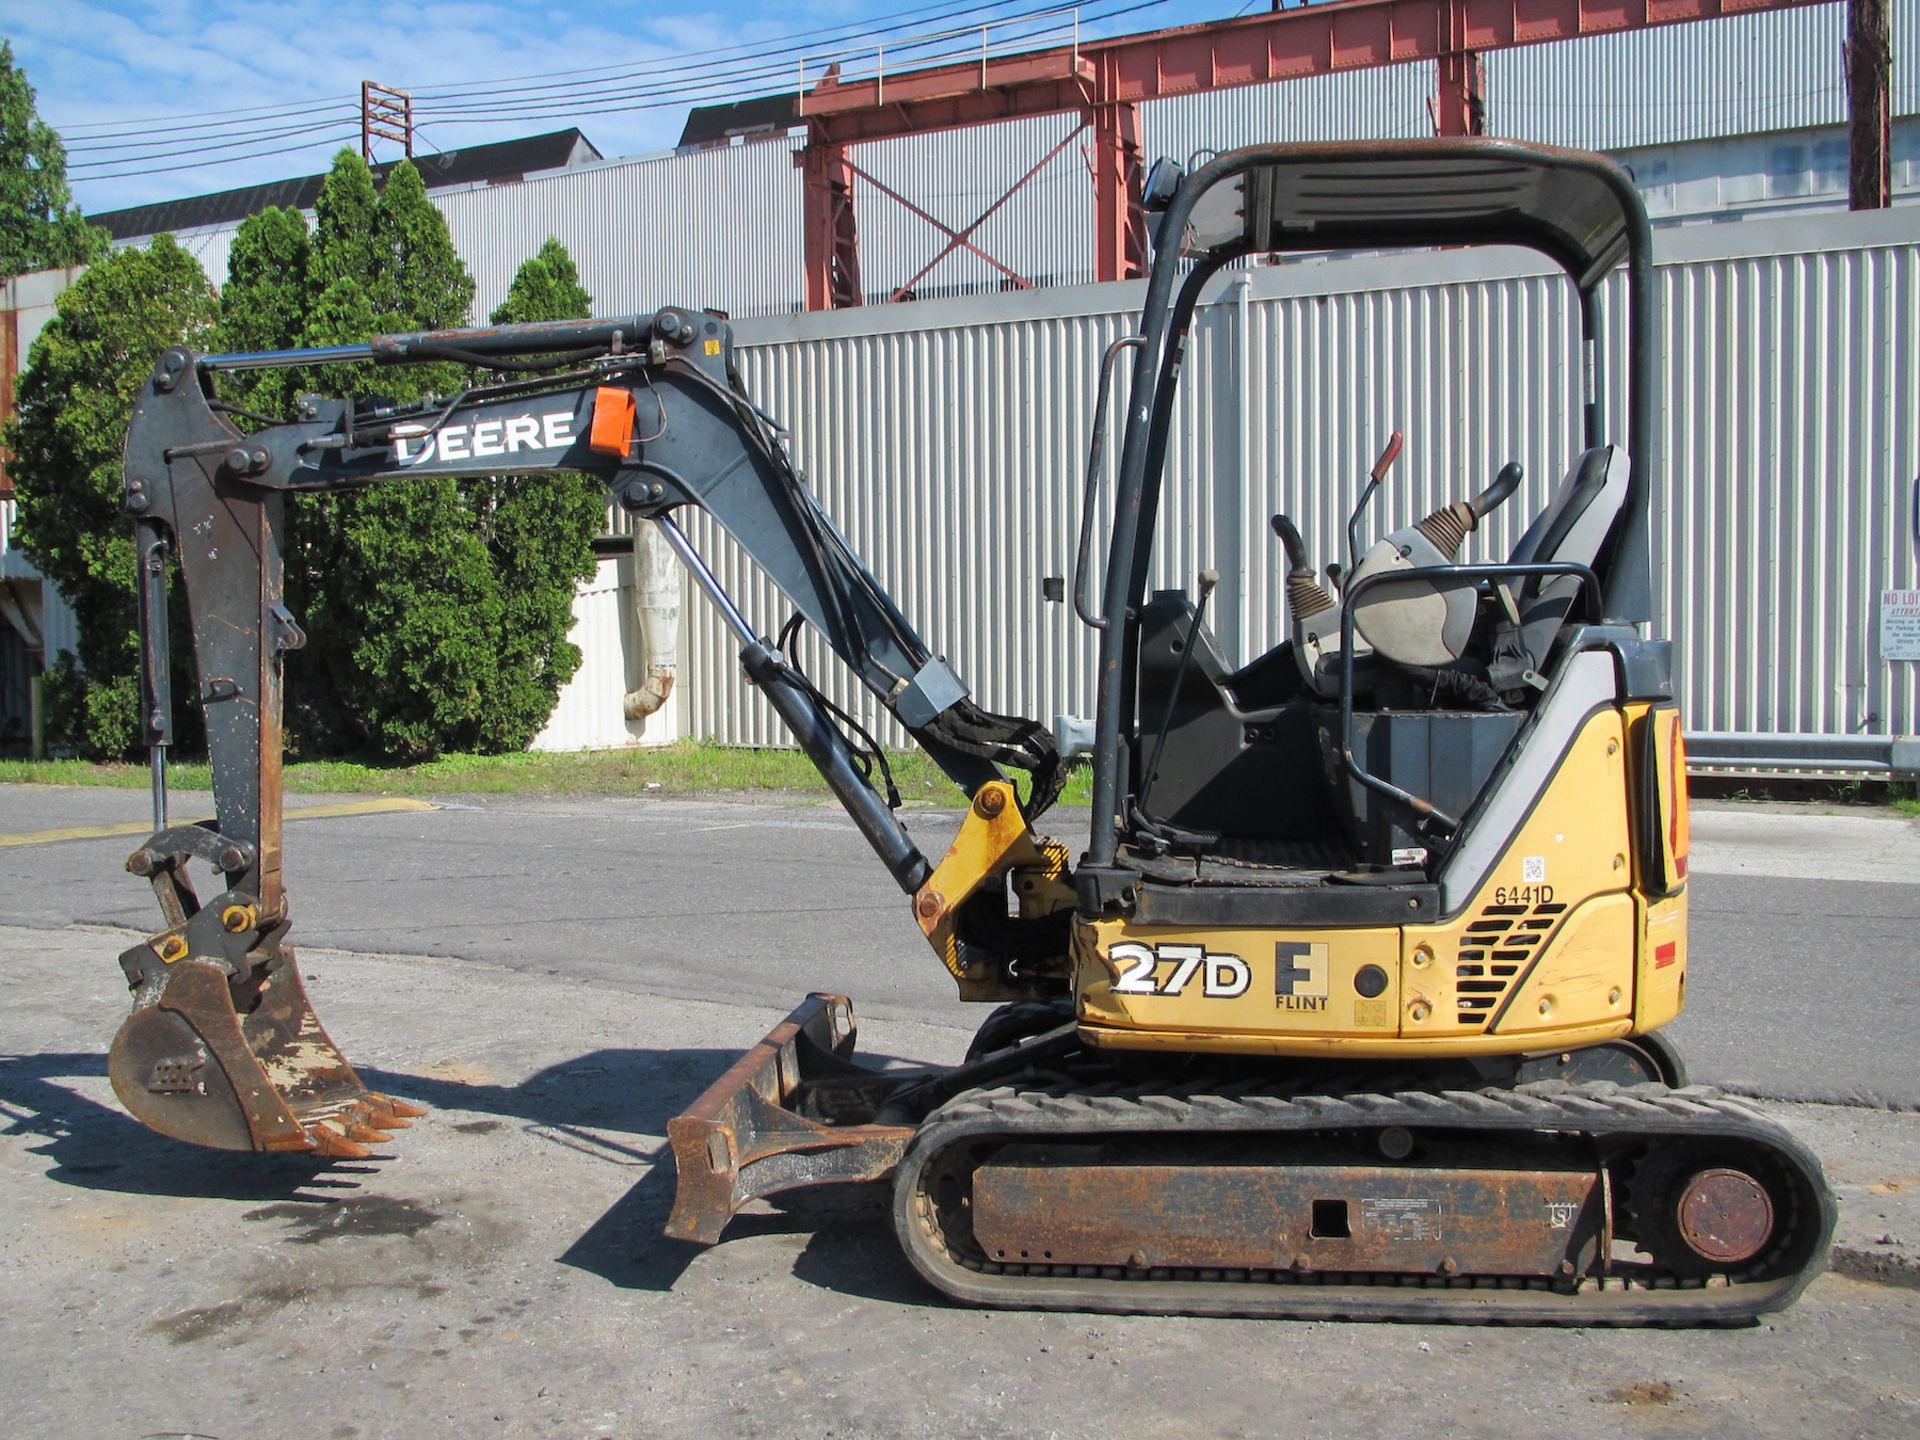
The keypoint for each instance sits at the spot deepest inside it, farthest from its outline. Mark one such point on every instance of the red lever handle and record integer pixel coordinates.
(1395, 443)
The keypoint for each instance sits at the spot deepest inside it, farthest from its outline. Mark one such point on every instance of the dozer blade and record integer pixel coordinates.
(259, 1075)
(795, 1110)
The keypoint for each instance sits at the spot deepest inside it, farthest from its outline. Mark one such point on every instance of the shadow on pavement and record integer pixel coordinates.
(850, 1250)
(101, 1147)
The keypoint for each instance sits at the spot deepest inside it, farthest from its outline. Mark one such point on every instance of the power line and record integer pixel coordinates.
(204, 142)
(334, 118)
(83, 135)
(342, 137)
(915, 21)
(154, 135)
(719, 87)
(232, 115)
(679, 92)
(707, 78)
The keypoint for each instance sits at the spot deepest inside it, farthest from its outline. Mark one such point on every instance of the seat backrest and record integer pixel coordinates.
(1575, 522)
(1572, 528)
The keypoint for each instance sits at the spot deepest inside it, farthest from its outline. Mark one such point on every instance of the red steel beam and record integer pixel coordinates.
(1119, 222)
(1188, 59)
(1105, 80)
(830, 239)
(1460, 95)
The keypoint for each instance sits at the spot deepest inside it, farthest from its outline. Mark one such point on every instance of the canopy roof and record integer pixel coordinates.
(1576, 207)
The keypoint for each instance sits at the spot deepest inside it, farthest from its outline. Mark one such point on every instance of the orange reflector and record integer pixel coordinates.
(612, 432)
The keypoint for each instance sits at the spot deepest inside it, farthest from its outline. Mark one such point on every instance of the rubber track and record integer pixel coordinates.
(1602, 1110)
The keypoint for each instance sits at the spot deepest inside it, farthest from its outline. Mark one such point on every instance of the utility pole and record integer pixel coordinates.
(1869, 55)
(385, 114)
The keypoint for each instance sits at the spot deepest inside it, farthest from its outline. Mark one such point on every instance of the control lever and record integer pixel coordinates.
(1396, 442)
(1314, 619)
(1499, 492)
(1450, 525)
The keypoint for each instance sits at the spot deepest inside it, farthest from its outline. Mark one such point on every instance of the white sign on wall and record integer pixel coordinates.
(1900, 624)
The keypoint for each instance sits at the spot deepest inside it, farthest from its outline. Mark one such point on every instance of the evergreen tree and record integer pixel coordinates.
(400, 590)
(343, 247)
(421, 284)
(538, 530)
(74, 403)
(263, 305)
(40, 226)
(338, 311)
(341, 268)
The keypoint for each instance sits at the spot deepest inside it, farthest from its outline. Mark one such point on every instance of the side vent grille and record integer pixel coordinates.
(1494, 951)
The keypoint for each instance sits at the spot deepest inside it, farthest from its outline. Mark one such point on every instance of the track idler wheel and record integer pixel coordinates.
(242, 1065)
(1704, 1215)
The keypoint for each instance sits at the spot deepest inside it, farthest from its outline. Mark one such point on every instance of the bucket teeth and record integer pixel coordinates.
(400, 1109)
(332, 1140)
(367, 1135)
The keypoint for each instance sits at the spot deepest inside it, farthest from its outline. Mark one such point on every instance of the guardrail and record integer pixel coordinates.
(1888, 756)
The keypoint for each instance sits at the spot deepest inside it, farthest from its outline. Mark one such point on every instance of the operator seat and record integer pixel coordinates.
(1571, 529)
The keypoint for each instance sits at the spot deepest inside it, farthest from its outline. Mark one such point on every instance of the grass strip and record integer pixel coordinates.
(687, 767)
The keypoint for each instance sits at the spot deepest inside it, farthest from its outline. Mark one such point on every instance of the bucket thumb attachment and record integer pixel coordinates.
(240, 1063)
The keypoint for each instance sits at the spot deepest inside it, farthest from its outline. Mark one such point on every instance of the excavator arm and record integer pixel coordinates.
(223, 1047)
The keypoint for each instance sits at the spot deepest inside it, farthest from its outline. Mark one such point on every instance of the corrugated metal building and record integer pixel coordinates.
(948, 437)
(947, 440)
(721, 227)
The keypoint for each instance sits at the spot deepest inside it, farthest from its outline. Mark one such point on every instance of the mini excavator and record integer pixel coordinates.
(1351, 1006)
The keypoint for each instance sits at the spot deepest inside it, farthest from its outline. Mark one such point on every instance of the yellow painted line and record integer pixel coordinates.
(385, 805)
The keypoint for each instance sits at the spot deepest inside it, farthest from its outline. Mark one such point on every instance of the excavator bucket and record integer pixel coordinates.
(242, 1065)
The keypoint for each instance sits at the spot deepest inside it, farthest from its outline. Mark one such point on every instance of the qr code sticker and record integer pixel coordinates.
(1534, 870)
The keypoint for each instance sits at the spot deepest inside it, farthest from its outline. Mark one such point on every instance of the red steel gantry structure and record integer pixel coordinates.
(1106, 82)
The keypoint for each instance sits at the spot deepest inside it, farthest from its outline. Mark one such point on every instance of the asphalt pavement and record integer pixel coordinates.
(554, 978)
(1800, 983)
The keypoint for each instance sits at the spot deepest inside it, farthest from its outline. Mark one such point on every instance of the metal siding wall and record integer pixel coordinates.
(588, 715)
(1044, 231)
(1776, 71)
(1388, 103)
(212, 246)
(732, 237)
(952, 458)
(1474, 374)
(1790, 446)
(711, 227)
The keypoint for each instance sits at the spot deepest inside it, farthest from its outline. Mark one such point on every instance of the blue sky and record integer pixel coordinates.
(195, 92)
